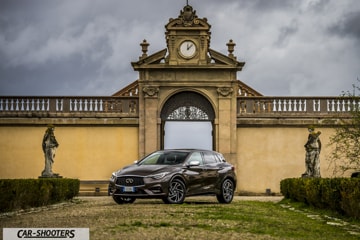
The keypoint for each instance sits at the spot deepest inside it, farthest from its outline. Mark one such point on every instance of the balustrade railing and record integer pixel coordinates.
(127, 106)
(296, 105)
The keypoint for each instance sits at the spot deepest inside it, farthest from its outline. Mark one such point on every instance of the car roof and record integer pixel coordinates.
(186, 150)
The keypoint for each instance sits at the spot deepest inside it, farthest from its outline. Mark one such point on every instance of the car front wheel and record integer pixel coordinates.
(227, 191)
(123, 200)
(176, 193)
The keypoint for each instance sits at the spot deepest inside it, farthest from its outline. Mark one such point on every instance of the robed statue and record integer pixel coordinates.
(49, 146)
(312, 157)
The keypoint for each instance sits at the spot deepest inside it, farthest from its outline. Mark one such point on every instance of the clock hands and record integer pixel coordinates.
(188, 46)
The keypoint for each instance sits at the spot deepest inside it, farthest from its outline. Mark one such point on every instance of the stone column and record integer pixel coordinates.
(226, 136)
(150, 120)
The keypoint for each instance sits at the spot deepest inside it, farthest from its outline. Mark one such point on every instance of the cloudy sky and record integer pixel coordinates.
(84, 47)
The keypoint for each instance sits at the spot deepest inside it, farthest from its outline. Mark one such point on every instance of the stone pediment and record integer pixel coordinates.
(222, 60)
(131, 90)
(215, 59)
(155, 58)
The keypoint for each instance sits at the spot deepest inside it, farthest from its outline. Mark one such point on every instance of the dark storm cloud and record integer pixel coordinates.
(265, 5)
(85, 47)
(286, 32)
(349, 25)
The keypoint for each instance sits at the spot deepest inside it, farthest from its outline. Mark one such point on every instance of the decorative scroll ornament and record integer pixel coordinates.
(187, 16)
(188, 113)
(187, 106)
(151, 91)
(225, 91)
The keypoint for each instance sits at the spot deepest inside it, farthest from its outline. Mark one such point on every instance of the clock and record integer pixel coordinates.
(187, 49)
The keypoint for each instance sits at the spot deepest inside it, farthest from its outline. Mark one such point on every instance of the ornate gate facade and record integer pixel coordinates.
(187, 81)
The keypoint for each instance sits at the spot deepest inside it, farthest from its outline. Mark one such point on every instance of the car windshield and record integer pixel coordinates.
(164, 158)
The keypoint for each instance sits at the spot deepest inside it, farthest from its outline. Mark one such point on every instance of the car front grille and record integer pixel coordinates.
(130, 181)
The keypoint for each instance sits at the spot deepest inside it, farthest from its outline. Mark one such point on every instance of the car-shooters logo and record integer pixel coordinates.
(46, 233)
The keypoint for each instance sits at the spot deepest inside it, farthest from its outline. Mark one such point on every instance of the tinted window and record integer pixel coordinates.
(172, 158)
(164, 158)
(210, 158)
(151, 159)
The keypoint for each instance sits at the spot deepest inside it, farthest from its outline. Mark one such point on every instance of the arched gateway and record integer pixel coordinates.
(187, 81)
(187, 121)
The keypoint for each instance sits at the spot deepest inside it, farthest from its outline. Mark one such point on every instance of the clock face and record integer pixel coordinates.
(187, 49)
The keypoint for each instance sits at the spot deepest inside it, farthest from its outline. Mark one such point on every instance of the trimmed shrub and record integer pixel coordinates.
(338, 194)
(25, 193)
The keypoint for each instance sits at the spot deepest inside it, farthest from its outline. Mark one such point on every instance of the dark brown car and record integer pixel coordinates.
(174, 174)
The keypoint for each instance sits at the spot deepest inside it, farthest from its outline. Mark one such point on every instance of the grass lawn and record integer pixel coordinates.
(197, 218)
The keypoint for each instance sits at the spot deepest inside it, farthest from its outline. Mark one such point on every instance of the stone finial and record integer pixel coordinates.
(144, 48)
(231, 45)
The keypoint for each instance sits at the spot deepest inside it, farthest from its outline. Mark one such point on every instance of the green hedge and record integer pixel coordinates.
(339, 194)
(25, 193)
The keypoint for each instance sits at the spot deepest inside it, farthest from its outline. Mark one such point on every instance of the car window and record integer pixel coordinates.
(196, 156)
(172, 158)
(164, 158)
(210, 158)
(151, 159)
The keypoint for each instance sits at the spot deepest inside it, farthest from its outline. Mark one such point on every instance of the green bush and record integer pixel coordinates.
(338, 194)
(25, 193)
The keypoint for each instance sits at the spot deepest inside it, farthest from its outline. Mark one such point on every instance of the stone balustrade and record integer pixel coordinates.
(128, 106)
(86, 106)
(295, 105)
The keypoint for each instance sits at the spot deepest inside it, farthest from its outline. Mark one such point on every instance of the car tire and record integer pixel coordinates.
(227, 191)
(123, 200)
(177, 192)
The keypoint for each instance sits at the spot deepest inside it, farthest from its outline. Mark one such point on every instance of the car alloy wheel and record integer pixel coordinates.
(176, 193)
(227, 192)
(123, 200)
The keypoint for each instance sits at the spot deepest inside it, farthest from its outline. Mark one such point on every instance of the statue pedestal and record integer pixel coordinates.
(54, 175)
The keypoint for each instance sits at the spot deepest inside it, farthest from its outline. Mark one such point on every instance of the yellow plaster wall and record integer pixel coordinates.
(265, 155)
(268, 155)
(87, 153)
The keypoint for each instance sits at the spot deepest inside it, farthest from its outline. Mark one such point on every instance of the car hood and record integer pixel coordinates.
(145, 170)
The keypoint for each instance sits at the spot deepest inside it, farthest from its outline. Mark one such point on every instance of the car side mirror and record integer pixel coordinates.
(193, 163)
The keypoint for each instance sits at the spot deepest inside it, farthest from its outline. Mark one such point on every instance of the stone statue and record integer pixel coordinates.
(312, 157)
(49, 146)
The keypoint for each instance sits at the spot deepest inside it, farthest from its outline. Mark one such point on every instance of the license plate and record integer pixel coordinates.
(128, 189)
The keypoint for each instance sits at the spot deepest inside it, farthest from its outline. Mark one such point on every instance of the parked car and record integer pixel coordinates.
(172, 175)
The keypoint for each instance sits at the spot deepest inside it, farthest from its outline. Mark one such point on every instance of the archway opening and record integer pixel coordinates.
(188, 134)
(187, 122)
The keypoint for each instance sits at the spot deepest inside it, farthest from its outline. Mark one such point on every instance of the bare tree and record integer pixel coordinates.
(345, 156)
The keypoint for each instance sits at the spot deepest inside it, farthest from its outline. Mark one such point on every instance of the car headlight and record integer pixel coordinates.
(159, 175)
(113, 177)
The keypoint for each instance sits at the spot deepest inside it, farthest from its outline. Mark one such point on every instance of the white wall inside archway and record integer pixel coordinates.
(184, 134)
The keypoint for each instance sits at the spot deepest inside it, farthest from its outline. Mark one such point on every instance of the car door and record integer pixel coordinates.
(211, 168)
(195, 173)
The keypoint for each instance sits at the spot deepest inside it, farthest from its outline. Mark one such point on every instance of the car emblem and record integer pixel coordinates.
(129, 180)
